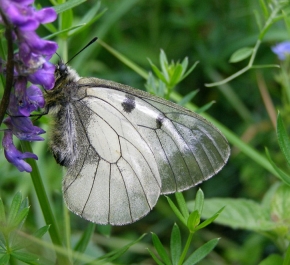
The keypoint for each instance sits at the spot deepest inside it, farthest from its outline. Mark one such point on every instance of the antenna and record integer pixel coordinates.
(92, 41)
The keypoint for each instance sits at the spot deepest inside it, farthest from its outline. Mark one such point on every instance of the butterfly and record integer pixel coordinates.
(124, 147)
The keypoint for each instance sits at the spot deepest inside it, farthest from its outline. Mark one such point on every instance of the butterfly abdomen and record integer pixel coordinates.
(63, 142)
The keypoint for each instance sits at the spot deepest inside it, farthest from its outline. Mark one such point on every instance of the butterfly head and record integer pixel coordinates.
(64, 75)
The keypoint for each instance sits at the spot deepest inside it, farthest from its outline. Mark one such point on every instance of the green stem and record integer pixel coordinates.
(9, 69)
(67, 230)
(286, 82)
(44, 204)
(184, 252)
(287, 256)
(267, 25)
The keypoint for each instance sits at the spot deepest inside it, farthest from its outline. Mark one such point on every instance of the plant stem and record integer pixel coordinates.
(44, 204)
(9, 69)
(267, 25)
(183, 255)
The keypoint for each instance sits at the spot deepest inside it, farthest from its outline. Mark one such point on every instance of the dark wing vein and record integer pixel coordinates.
(182, 154)
(126, 193)
(121, 114)
(167, 159)
(124, 138)
(85, 156)
(138, 181)
(190, 148)
(214, 144)
(109, 212)
(86, 132)
(91, 188)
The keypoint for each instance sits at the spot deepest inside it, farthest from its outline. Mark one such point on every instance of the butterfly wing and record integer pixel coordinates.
(115, 178)
(135, 142)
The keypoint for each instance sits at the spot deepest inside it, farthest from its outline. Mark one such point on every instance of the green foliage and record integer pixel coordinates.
(241, 54)
(256, 203)
(12, 240)
(192, 222)
(168, 77)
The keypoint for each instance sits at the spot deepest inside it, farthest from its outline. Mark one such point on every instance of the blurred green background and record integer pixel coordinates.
(205, 31)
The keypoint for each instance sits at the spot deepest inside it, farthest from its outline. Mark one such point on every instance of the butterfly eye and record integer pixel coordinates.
(62, 68)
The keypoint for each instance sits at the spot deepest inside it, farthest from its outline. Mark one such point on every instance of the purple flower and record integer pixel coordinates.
(25, 100)
(23, 128)
(31, 64)
(13, 155)
(22, 14)
(44, 76)
(38, 45)
(282, 50)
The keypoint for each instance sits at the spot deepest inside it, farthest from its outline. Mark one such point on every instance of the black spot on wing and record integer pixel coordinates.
(129, 103)
(159, 120)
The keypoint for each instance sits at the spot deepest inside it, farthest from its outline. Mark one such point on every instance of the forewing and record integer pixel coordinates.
(186, 147)
(115, 178)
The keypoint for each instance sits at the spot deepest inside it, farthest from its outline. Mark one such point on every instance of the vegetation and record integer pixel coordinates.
(242, 215)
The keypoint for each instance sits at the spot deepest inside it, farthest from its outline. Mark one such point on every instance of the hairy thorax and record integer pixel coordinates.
(59, 103)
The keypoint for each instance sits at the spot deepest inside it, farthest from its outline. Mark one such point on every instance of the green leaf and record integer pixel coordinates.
(155, 257)
(158, 73)
(14, 208)
(193, 220)
(279, 208)
(41, 231)
(4, 259)
(287, 256)
(50, 27)
(66, 20)
(176, 76)
(184, 65)
(117, 253)
(67, 5)
(85, 239)
(2, 242)
(238, 213)
(188, 97)
(204, 107)
(89, 18)
(189, 70)
(24, 204)
(91, 13)
(60, 32)
(164, 66)
(182, 204)
(199, 201)
(201, 252)
(24, 242)
(281, 174)
(241, 54)
(2, 214)
(209, 220)
(176, 211)
(20, 217)
(26, 257)
(175, 244)
(283, 138)
(273, 259)
(160, 249)
(264, 7)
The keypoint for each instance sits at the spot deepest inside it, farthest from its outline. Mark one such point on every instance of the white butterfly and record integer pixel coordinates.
(124, 147)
